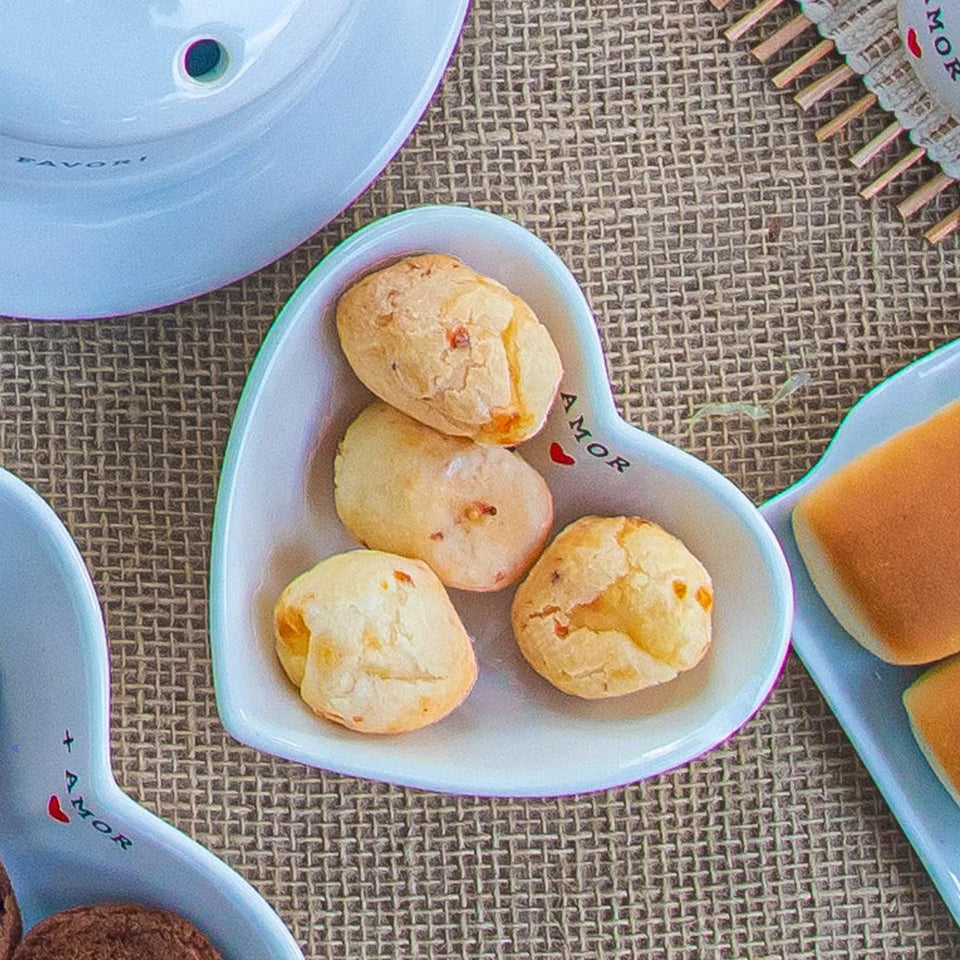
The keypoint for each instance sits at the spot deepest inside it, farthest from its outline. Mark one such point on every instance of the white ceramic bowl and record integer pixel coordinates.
(68, 834)
(515, 734)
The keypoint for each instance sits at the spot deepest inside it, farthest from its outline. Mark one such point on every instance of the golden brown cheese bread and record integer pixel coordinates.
(478, 515)
(881, 541)
(933, 705)
(373, 642)
(614, 604)
(450, 348)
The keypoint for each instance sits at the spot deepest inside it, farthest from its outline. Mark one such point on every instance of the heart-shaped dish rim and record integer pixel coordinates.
(373, 245)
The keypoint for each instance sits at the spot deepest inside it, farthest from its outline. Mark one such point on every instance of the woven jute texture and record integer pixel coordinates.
(721, 251)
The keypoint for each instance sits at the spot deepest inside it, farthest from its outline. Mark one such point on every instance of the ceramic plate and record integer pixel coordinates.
(863, 691)
(515, 734)
(99, 249)
(68, 834)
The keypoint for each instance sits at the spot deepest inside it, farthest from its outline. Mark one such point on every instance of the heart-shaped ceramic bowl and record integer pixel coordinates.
(68, 834)
(515, 735)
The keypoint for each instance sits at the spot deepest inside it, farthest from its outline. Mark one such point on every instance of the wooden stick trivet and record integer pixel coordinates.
(924, 194)
(888, 176)
(764, 50)
(877, 145)
(789, 74)
(751, 19)
(855, 110)
(944, 228)
(817, 90)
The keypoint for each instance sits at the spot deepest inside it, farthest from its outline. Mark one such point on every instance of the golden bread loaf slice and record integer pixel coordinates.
(933, 705)
(881, 541)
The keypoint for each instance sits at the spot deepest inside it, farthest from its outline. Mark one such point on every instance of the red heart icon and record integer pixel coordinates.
(559, 455)
(55, 810)
(913, 44)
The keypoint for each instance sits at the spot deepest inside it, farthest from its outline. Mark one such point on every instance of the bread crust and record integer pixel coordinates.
(932, 703)
(880, 539)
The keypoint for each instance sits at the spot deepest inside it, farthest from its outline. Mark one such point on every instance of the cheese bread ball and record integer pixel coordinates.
(613, 605)
(478, 515)
(373, 642)
(450, 348)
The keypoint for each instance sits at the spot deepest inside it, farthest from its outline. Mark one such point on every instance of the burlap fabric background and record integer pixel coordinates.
(721, 250)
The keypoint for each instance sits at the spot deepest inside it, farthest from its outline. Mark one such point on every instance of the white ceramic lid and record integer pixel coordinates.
(98, 74)
(92, 232)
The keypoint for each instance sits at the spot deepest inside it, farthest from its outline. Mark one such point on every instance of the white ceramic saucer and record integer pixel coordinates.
(102, 246)
(515, 734)
(68, 834)
(863, 691)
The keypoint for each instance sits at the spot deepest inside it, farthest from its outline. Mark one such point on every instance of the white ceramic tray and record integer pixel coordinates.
(515, 734)
(863, 691)
(96, 249)
(68, 834)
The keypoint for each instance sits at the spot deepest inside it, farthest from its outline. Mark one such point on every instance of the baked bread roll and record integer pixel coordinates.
(115, 931)
(613, 605)
(881, 541)
(10, 926)
(373, 642)
(478, 515)
(450, 348)
(933, 705)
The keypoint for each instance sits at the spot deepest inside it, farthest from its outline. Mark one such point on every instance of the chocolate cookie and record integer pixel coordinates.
(9, 917)
(115, 931)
